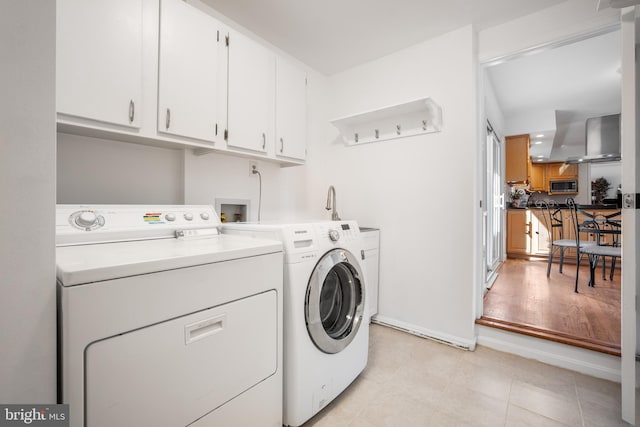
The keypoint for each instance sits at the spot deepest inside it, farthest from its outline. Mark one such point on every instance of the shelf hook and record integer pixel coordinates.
(377, 132)
(355, 137)
(424, 125)
(398, 129)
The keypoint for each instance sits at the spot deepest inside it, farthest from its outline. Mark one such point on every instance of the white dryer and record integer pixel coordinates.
(326, 325)
(165, 322)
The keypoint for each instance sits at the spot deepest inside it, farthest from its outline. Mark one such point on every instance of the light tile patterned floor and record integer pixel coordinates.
(411, 381)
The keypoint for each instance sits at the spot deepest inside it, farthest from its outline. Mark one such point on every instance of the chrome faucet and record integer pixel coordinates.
(331, 203)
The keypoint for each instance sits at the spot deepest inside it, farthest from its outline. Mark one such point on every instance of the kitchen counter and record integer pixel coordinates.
(565, 206)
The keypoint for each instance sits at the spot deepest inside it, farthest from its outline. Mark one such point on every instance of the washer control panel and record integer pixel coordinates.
(81, 224)
(339, 231)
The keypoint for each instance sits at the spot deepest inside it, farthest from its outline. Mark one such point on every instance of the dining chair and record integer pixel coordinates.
(553, 219)
(613, 228)
(594, 251)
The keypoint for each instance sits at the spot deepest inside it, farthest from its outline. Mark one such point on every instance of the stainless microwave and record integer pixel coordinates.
(563, 186)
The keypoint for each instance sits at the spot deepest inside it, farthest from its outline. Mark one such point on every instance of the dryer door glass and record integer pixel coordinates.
(335, 301)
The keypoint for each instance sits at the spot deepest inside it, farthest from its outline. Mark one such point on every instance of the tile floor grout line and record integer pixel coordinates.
(506, 415)
(575, 388)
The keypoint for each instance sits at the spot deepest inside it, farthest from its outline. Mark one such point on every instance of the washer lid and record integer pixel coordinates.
(97, 262)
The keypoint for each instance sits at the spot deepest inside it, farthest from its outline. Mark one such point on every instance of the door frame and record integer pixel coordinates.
(630, 218)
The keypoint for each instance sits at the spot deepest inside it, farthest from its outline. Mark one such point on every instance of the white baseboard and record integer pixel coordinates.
(588, 362)
(451, 340)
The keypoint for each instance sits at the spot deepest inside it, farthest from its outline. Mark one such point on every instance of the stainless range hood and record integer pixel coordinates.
(602, 140)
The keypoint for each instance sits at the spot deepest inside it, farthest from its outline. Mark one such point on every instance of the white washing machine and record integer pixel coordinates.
(326, 325)
(165, 322)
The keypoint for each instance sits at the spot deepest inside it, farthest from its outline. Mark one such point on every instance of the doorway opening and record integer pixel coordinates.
(547, 97)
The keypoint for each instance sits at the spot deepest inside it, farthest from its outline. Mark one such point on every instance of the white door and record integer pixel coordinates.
(630, 219)
(188, 72)
(99, 60)
(494, 207)
(250, 94)
(291, 111)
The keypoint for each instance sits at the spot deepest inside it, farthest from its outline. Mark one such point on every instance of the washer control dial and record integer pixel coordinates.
(188, 216)
(86, 220)
(170, 217)
(205, 216)
(334, 235)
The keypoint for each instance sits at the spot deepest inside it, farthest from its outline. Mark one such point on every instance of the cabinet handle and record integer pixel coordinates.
(168, 121)
(132, 111)
(264, 140)
(529, 229)
(281, 145)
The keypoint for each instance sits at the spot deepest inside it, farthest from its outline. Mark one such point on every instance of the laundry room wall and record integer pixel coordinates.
(218, 176)
(418, 190)
(99, 171)
(27, 191)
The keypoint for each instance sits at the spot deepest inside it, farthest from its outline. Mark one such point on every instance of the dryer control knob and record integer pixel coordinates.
(188, 216)
(87, 219)
(334, 235)
(205, 216)
(170, 217)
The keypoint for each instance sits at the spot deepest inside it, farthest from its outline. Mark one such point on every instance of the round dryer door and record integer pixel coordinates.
(334, 303)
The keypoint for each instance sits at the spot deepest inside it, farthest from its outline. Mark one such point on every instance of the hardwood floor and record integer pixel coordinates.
(524, 300)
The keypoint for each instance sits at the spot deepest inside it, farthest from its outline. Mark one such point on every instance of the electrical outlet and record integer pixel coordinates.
(253, 165)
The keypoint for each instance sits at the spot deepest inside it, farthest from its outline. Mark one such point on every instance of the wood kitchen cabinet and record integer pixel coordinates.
(291, 111)
(538, 181)
(250, 96)
(542, 173)
(188, 72)
(527, 233)
(517, 161)
(99, 61)
(561, 171)
(518, 229)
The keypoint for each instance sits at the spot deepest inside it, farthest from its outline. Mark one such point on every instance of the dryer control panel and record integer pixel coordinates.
(82, 224)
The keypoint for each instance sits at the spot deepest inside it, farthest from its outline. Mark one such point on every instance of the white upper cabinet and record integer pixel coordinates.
(166, 73)
(188, 72)
(250, 94)
(99, 60)
(291, 111)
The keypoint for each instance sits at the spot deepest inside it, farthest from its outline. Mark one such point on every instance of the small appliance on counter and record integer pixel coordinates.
(519, 198)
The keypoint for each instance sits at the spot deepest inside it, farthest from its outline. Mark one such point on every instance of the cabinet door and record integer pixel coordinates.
(517, 158)
(539, 233)
(188, 71)
(250, 94)
(561, 171)
(99, 60)
(291, 111)
(518, 232)
(538, 182)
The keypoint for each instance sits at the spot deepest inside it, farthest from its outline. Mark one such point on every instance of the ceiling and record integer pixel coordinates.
(334, 35)
(552, 93)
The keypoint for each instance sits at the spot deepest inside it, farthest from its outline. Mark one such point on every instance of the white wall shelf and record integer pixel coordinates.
(397, 121)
